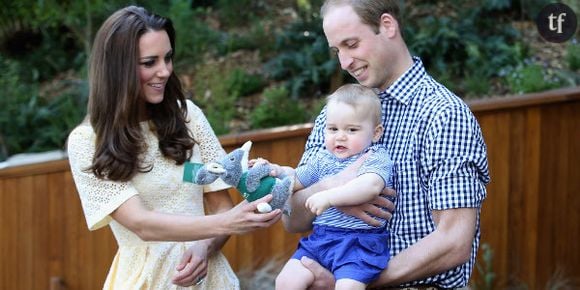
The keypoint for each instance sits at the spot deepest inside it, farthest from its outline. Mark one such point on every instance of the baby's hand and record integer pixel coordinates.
(257, 161)
(275, 169)
(318, 203)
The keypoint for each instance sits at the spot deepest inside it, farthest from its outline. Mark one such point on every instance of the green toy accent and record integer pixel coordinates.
(233, 170)
(190, 170)
(266, 185)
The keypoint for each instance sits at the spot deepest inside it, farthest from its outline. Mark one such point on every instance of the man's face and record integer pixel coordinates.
(360, 51)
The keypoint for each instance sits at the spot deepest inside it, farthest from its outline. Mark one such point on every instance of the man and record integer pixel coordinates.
(435, 141)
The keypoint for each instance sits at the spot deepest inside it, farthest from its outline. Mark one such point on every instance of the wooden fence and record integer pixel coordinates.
(531, 218)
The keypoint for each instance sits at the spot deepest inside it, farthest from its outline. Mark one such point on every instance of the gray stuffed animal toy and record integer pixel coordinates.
(253, 183)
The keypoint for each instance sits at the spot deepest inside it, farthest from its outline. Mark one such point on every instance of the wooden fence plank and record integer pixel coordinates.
(495, 208)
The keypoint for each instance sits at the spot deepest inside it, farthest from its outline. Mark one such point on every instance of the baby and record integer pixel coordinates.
(355, 252)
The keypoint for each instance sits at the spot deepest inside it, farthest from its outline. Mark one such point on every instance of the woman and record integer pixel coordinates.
(127, 162)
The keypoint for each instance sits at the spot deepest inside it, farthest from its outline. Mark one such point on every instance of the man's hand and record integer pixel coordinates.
(323, 279)
(380, 207)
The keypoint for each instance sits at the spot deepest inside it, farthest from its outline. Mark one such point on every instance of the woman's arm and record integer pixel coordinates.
(155, 226)
(217, 202)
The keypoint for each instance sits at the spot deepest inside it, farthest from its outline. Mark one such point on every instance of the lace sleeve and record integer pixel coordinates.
(99, 197)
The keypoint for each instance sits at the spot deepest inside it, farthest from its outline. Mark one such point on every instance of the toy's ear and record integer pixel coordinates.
(246, 148)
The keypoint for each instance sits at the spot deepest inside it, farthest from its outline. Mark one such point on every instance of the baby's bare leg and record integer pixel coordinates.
(294, 277)
(349, 284)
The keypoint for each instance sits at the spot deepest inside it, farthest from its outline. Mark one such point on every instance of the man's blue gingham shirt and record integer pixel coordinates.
(440, 161)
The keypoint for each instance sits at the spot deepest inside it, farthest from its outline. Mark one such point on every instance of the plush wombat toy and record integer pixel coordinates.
(253, 183)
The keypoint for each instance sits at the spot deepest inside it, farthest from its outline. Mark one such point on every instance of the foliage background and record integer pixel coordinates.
(255, 63)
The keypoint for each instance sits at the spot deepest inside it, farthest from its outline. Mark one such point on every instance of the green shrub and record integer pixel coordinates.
(476, 84)
(573, 55)
(303, 61)
(234, 13)
(195, 39)
(256, 38)
(218, 90)
(46, 53)
(277, 109)
(14, 95)
(472, 39)
(241, 83)
(214, 97)
(532, 77)
(34, 123)
(56, 116)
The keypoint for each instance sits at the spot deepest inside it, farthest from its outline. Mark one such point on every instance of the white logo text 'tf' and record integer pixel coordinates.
(559, 20)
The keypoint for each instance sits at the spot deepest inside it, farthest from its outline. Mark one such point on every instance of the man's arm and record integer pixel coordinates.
(445, 248)
(454, 153)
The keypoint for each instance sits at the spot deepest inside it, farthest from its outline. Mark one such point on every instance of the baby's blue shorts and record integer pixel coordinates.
(360, 255)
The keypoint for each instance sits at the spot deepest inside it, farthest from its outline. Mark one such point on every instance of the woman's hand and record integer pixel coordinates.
(244, 217)
(380, 207)
(193, 266)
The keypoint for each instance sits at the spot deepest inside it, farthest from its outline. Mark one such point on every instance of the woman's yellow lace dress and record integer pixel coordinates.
(139, 264)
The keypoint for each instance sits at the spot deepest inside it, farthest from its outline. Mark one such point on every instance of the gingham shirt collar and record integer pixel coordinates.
(403, 89)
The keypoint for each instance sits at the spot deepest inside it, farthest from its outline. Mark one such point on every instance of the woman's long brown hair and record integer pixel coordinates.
(115, 94)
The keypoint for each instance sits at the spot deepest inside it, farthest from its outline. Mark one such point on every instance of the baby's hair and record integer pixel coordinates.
(363, 99)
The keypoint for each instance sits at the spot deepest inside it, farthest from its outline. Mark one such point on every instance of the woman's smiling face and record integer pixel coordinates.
(155, 65)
